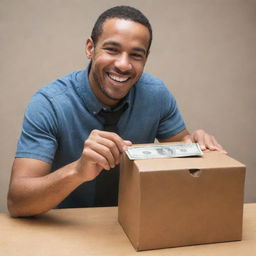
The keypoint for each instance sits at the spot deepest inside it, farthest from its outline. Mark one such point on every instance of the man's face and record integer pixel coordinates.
(118, 59)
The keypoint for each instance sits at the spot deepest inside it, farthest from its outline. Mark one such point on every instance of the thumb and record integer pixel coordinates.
(127, 143)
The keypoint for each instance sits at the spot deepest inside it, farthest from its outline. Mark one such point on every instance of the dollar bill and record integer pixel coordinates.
(164, 151)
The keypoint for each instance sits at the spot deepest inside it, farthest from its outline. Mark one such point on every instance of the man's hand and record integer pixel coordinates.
(102, 150)
(33, 182)
(205, 140)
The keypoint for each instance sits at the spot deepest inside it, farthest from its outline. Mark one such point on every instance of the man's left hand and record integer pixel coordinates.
(206, 141)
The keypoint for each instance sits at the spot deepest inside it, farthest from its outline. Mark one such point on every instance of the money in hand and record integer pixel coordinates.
(164, 151)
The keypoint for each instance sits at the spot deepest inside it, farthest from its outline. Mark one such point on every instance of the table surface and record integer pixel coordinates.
(95, 231)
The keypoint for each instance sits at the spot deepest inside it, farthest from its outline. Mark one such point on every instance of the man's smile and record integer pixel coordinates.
(118, 78)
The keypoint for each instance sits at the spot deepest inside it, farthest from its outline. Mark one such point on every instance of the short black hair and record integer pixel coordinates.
(121, 12)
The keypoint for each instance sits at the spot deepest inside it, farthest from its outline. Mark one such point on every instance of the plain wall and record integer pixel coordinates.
(204, 50)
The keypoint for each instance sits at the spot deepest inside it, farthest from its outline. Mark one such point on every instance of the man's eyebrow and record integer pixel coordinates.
(114, 43)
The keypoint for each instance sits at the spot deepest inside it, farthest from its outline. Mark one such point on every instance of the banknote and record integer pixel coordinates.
(164, 151)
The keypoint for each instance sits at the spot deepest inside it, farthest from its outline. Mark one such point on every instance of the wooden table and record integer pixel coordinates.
(95, 231)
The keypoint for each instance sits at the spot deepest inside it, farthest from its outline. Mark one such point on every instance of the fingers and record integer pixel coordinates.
(218, 146)
(105, 148)
(127, 144)
(95, 158)
(206, 141)
(119, 143)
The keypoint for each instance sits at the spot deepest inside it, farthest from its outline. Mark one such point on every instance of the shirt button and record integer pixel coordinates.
(94, 112)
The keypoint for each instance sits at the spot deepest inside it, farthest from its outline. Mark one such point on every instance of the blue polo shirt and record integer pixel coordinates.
(61, 115)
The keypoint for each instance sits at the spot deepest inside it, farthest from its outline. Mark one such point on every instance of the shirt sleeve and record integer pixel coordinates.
(171, 121)
(38, 137)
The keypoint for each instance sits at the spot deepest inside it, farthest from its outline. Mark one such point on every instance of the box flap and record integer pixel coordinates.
(212, 159)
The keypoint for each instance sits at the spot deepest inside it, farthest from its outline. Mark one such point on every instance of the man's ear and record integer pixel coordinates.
(89, 48)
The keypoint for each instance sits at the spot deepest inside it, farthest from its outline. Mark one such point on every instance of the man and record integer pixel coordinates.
(76, 128)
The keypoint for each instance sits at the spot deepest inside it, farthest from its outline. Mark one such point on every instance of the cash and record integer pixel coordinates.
(164, 151)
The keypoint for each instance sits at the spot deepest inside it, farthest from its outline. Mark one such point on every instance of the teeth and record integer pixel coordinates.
(118, 79)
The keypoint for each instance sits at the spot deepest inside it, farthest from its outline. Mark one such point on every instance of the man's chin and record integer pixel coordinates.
(115, 99)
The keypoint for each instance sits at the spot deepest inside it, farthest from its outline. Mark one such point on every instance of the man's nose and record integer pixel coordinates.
(123, 63)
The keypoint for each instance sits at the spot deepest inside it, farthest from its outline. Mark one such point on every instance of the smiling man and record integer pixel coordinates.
(76, 128)
(118, 59)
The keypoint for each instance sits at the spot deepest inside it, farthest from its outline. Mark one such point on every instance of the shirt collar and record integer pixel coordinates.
(90, 100)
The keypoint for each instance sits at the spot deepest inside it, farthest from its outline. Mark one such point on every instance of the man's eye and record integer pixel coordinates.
(111, 50)
(137, 56)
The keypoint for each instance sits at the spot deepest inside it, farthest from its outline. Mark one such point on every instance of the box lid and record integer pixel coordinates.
(212, 159)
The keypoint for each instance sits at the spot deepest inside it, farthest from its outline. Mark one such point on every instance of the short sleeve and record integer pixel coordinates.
(171, 121)
(38, 137)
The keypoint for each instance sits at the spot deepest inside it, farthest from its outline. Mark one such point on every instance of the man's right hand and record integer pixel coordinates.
(32, 182)
(102, 150)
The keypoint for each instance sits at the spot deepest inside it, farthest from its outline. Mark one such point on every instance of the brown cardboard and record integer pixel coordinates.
(162, 202)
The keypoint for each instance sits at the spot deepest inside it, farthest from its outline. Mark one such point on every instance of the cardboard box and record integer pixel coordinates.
(181, 201)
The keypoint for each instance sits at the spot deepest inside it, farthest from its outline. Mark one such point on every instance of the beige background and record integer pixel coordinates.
(205, 51)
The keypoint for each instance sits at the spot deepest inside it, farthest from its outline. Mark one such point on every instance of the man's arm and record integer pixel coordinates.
(205, 140)
(34, 190)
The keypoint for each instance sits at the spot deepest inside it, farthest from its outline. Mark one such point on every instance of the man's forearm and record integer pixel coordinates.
(34, 190)
(34, 195)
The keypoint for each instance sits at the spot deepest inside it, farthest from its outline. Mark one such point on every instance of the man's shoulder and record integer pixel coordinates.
(61, 86)
(147, 78)
(150, 83)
